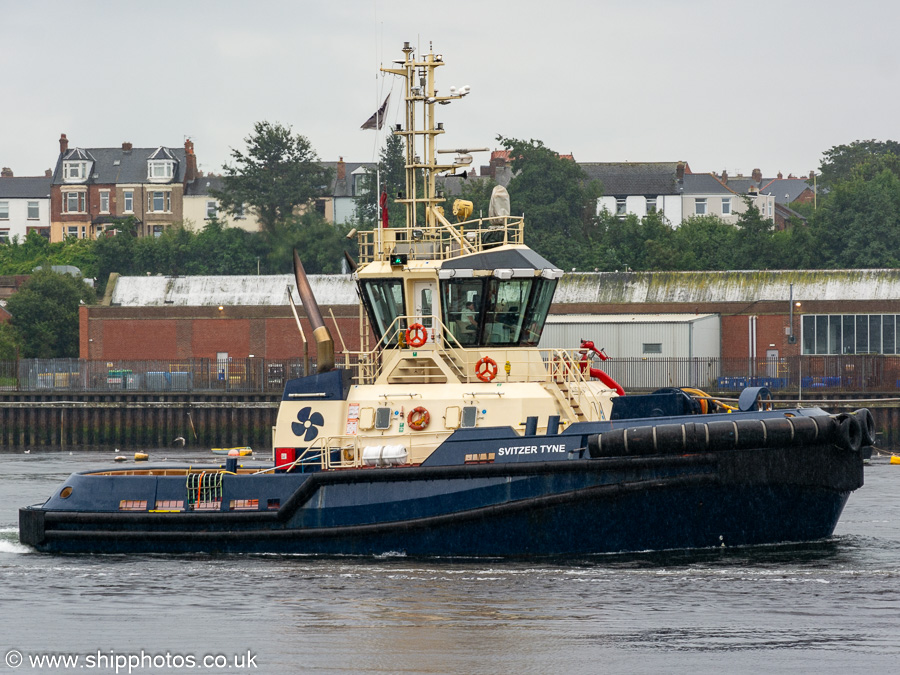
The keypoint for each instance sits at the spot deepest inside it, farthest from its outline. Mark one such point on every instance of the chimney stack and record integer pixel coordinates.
(341, 169)
(679, 171)
(757, 175)
(724, 176)
(48, 173)
(780, 176)
(63, 143)
(6, 172)
(126, 146)
(812, 175)
(190, 169)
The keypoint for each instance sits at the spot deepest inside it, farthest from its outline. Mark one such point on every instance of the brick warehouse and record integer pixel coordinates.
(835, 312)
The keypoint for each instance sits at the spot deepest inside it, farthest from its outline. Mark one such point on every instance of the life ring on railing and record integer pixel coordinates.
(416, 335)
(418, 418)
(486, 369)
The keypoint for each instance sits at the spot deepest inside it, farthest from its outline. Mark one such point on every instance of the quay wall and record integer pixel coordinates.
(136, 420)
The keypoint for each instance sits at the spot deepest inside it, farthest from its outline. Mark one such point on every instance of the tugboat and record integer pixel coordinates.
(453, 434)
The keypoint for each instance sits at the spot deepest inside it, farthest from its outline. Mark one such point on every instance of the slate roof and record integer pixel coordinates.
(25, 188)
(202, 185)
(131, 167)
(785, 190)
(634, 178)
(344, 187)
(705, 184)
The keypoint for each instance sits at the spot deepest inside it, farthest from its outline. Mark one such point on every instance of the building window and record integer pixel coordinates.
(160, 170)
(651, 204)
(72, 231)
(700, 206)
(211, 209)
(74, 170)
(34, 210)
(74, 202)
(4, 236)
(128, 199)
(159, 202)
(726, 206)
(620, 206)
(850, 334)
(652, 348)
(239, 212)
(104, 201)
(157, 230)
(4, 210)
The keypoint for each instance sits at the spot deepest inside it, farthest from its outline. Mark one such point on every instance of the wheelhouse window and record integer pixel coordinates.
(383, 299)
(489, 311)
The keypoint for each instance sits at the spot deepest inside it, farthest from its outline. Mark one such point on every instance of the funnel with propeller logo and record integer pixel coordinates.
(307, 424)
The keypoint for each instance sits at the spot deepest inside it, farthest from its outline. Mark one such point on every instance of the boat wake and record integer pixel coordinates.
(9, 541)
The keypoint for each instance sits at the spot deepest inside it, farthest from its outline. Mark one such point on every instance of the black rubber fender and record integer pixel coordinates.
(867, 422)
(806, 431)
(751, 434)
(850, 434)
(722, 435)
(779, 432)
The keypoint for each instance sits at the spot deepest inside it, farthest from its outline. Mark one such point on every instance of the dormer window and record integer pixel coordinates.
(74, 171)
(160, 170)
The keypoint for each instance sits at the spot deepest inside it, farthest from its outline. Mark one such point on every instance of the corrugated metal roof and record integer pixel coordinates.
(626, 318)
(733, 286)
(205, 291)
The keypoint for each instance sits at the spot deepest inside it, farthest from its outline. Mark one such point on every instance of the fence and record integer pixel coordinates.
(859, 373)
(250, 375)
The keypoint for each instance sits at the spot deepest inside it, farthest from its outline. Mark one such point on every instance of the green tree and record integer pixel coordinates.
(704, 243)
(45, 314)
(558, 200)
(9, 342)
(278, 173)
(859, 224)
(753, 247)
(839, 161)
(392, 175)
(321, 245)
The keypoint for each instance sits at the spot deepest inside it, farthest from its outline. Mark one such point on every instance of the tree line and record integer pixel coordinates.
(856, 225)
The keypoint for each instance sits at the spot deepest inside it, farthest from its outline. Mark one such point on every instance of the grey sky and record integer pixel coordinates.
(723, 85)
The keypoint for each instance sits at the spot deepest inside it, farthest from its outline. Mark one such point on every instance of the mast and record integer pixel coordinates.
(420, 90)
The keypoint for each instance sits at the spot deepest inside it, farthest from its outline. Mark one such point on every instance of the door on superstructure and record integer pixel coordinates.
(425, 307)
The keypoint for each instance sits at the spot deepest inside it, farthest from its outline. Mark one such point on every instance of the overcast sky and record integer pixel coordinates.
(722, 85)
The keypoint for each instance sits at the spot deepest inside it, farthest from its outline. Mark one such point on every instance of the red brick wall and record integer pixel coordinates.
(148, 339)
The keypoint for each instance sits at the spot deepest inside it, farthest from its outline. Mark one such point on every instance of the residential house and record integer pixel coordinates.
(724, 197)
(787, 191)
(200, 207)
(640, 188)
(93, 187)
(339, 206)
(24, 206)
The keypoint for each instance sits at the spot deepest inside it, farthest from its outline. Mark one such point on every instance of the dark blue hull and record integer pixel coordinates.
(523, 508)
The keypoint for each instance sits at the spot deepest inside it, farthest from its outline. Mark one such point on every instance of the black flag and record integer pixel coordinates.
(376, 121)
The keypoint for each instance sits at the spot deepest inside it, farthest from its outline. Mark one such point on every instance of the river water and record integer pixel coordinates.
(828, 607)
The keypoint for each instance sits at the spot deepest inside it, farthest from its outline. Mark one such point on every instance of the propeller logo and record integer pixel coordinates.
(307, 424)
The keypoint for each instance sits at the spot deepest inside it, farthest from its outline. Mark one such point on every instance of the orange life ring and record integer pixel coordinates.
(416, 335)
(486, 369)
(418, 418)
